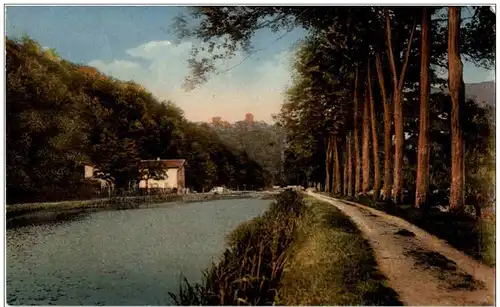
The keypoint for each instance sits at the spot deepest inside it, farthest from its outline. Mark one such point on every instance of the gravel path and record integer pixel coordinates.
(421, 268)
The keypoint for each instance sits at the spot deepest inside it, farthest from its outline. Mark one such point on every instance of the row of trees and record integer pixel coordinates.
(61, 115)
(365, 72)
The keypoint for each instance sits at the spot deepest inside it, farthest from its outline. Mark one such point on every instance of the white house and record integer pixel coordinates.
(162, 174)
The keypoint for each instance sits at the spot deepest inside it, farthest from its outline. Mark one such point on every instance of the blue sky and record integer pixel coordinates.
(134, 43)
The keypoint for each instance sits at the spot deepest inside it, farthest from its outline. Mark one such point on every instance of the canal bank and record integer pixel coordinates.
(33, 210)
(299, 252)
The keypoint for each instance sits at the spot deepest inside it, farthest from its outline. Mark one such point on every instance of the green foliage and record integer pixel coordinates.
(262, 143)
(480, 34)
(339, 39)
(319, 103)
(61, 115)
(44, 143)
(479, 150)
(290, 202)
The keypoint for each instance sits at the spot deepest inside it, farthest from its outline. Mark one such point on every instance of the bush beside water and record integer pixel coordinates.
(250, 269)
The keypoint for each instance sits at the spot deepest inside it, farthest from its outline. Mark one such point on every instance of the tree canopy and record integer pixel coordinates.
(330, 77)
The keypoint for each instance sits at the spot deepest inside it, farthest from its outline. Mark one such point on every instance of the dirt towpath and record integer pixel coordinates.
(421, 268)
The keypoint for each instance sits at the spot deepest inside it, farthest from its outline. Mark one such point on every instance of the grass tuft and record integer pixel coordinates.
(331, 264)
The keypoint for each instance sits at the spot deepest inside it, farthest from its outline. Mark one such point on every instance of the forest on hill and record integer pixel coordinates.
(61, 115)
(262, 142)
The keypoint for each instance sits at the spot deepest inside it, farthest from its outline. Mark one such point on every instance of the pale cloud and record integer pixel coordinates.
(278, 68)
(257, 89)
(149, 50)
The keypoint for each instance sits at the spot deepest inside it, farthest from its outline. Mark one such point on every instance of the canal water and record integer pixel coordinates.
(127, 257)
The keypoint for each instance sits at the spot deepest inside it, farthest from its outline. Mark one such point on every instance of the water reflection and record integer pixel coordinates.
(128, 257)
(40, 218)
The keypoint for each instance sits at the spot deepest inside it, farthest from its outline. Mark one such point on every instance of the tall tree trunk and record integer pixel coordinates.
(366, 145)
(332, 166)
(376, 162)
(346, 157)
(350, 178)
(422, 189)
(397, 189)
(357, 160)
(455, 82)
(338, 183)
(386, 190)
(327, 165)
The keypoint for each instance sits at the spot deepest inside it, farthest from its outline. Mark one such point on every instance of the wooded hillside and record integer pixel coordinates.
(61, 115)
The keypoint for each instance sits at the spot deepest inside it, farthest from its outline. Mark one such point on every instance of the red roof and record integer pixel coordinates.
(168, 163)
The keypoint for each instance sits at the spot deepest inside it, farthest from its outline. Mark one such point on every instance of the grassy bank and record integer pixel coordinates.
(293, 254)
(106, 203)
(113, 203)
(471, 235)
(250, 269)
(331, 264)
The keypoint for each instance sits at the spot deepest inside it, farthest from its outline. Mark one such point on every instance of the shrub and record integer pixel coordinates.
(250, 269)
